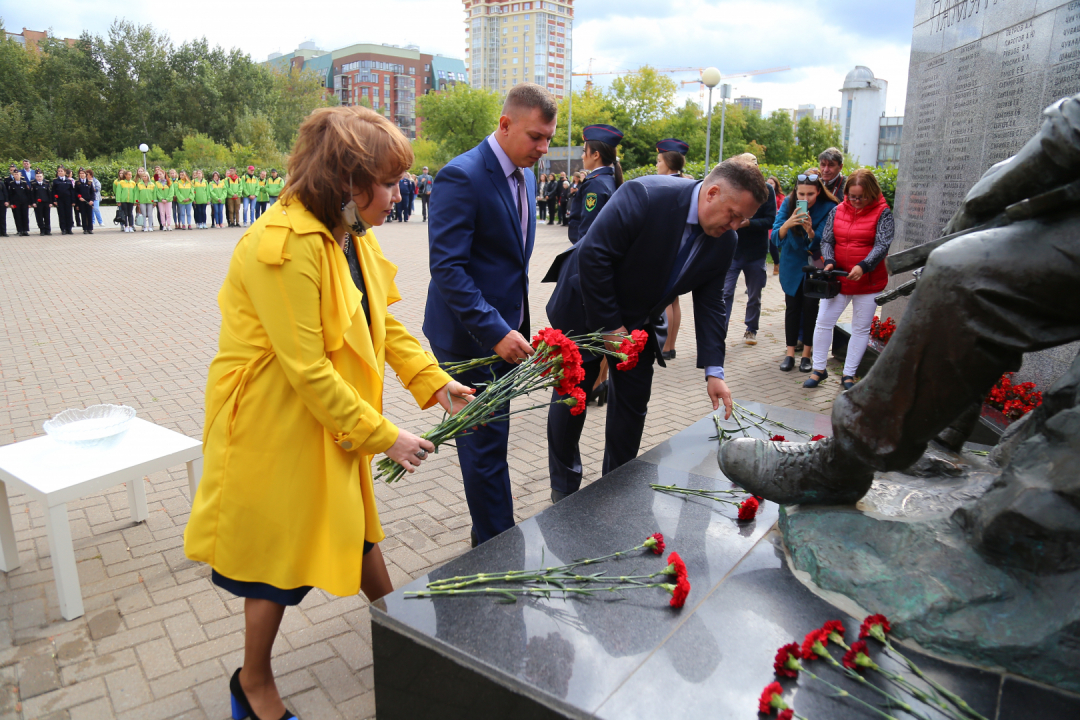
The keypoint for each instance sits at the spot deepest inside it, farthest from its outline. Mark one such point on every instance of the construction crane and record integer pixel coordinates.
(733, 75)
(589, 73)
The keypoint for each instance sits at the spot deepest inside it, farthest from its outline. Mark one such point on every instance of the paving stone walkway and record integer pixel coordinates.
(133, 319)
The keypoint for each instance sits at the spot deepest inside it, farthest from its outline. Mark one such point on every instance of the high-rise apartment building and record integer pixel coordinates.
(751, 104)
(511, 42)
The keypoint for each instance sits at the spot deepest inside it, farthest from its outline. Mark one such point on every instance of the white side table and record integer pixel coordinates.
(54, 474)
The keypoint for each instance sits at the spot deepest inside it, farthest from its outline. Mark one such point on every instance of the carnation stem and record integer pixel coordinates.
(854, 675)
(952, 697)
(844, 693)
(694, 492)
(529, 591)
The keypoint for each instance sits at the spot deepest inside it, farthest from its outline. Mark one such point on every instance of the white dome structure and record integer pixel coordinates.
(862, 105)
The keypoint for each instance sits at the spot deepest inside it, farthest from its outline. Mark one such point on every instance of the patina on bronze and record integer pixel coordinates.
(1005, 285)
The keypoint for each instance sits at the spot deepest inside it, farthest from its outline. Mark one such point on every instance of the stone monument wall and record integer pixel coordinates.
(981, 73)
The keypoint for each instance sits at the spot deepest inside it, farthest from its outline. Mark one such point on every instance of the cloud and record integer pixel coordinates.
(821, 40)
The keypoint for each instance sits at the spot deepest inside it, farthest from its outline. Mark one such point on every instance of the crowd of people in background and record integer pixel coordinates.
(173, 199)
(75, 195)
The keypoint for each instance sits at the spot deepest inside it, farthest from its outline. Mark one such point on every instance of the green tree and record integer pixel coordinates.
(591, 107)
(458, 118)
(293, 95)
(814, 136)
(641, 103)
(200, 151)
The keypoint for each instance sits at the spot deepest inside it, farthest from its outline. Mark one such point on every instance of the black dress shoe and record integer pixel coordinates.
(558, 496)
(668, 354)
(787, 364)
(601, 394)
(806, 365)
(472, 536)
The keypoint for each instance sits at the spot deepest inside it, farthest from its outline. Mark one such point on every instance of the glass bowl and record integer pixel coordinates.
(93, 423)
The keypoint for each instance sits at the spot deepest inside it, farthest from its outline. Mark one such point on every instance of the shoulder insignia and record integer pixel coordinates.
(590, 202)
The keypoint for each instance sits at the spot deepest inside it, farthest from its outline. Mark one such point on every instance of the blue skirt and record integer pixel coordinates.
(265, 591)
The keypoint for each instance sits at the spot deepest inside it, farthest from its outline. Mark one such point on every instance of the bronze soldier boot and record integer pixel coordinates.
(815, 473)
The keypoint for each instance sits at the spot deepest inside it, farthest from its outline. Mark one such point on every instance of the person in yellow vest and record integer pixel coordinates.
(124, 188)
(184, 196)
(218, 192)
(234, 189)
(146, 197)
(202, 197)
(294, 395)
(164, 198)
(261, 197)
(250, 194)
(273, 186)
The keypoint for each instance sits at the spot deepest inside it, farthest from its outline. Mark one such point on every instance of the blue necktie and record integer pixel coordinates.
(682, 257)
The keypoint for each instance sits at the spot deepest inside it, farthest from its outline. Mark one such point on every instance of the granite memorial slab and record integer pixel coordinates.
(632, 656)
(980, 75)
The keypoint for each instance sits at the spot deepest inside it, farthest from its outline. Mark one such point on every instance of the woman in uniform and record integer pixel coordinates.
(146, 196)
(183, 197)
(124, 188)
(273, 186)
(163, 196)
(63, 198)
(603, 177)
(42, 202)
(670, 160)
(84, 202)
(261, 197)
(294, 396)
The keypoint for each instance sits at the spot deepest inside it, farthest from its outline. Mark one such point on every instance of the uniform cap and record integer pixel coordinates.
(603, 133)
(672, 145)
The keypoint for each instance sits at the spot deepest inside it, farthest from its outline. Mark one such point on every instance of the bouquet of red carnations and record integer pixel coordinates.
(555, 364)
(1016, 400)
(882, 330)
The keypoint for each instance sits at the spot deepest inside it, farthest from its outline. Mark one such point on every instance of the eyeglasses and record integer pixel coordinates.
(808, 178)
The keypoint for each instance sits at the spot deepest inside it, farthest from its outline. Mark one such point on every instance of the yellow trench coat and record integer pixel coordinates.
(294, 407)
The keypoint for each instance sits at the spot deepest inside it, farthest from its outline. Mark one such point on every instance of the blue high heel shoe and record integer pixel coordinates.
(241, 708)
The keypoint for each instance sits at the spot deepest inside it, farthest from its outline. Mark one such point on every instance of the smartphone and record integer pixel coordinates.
(800, 206)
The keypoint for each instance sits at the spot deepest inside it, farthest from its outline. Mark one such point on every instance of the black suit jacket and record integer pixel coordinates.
(616, 275)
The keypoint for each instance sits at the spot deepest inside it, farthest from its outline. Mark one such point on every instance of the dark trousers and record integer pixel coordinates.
(563, 210)
(77, 215)
(628, 401)
(3, 221)
(756, 277)
(982, 302)
(64, 216)
(423, 203)
(260, 208)
(200, 214)
(85, 212)
(482, 455)
(551, 206)
(127, 215)
(800, 317)
(22, 218)
(43, 215)
(541, 207)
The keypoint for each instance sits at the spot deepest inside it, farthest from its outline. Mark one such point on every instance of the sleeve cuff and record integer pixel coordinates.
(368, 438)
(714, 371)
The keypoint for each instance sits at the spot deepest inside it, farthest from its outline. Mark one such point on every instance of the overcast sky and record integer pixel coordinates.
(821, 40)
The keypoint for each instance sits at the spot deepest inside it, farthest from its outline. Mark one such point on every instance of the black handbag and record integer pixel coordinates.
(821, 284)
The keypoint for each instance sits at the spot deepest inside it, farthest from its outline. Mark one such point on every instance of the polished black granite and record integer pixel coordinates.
(631, 656)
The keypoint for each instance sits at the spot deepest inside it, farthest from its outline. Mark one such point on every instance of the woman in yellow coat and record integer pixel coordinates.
(294, 394)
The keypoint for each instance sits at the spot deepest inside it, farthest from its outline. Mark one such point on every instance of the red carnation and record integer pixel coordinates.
(771, 697)
(786, 663)
(778, 438)
(679, 591)
(817, 437)
(814, 637)
(656, 543)
(676, 566)
(875, 626)
(787, 714)
(632, 347)
(834, 627)
(578, 396)
(748, 509)
(857, 657)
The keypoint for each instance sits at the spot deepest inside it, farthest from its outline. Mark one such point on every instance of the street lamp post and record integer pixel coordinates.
(711, 78)
(725, 95)
(570, 100)
(144, 148)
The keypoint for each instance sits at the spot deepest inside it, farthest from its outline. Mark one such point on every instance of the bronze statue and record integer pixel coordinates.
(1007, 285)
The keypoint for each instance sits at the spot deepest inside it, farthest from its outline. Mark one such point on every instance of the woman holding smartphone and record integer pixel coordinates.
(797, 232)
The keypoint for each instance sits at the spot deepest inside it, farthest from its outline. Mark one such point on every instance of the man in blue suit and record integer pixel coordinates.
(657, 238)
(480, 238)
